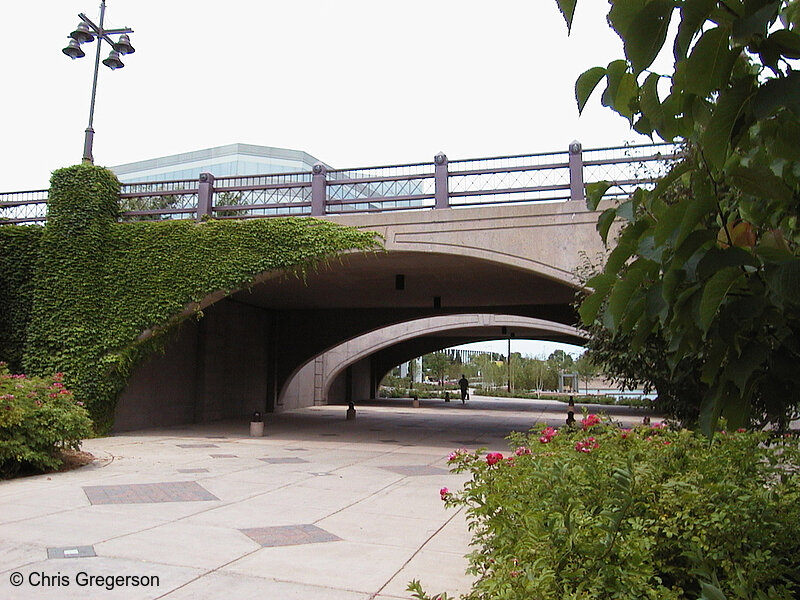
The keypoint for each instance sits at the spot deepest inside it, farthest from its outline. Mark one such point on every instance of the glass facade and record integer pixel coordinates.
(221, 161)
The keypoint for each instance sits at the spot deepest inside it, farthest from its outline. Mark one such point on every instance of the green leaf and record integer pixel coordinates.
(754, 24)
(672, 279)
(716, 259)
(649, 103)
(605, 221)
(621, 88)
(585, 85)
(623, 13)
(699, 207)
(567, 8)
(621, 295)
(716, 139)
(595, 192)
(709, 65)
(714, 293)
(601, 284)
(761, 182)
(783, 92)
(645, 35)
(626, 245)
(788, 42)
(711, 592)
(693, 14)
(669, 222)
(784, 281)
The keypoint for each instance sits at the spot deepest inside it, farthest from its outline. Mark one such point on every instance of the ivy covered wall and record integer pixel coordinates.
(100, 284)
(19, 251)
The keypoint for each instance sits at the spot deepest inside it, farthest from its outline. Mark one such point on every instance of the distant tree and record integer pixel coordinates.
(562, 361)
(438, 365)
(586, 369)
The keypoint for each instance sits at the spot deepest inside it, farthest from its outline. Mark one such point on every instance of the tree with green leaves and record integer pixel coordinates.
(437, 364)
(708, 260)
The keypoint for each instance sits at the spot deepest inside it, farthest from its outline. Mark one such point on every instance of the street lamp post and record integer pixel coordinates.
(86, 32)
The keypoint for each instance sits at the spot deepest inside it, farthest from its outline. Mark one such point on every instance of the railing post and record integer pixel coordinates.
(205, 196)
(318, 189)
(441, 181)
(576, 188)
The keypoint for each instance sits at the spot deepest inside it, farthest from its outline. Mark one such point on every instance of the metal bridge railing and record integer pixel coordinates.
(523, 178)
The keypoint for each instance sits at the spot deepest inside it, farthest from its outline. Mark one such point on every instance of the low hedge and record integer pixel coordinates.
(596, 512)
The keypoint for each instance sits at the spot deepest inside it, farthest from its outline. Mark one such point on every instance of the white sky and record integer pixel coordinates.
(352, 82)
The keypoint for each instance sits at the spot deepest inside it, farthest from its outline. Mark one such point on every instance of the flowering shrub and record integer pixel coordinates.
(38, 417)
(648, 513)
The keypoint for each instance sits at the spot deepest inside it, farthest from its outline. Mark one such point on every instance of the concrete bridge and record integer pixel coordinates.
(475, 249)
(447, 277)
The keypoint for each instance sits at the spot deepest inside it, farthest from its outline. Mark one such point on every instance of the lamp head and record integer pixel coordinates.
(73, 50)
(123, 46)
(113, 62)
(82, 33)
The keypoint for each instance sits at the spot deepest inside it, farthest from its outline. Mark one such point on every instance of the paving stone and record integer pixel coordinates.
(143, 493)
(204, 445)
(192, 470)
(417, 470)
(283, 460)
(289, 535)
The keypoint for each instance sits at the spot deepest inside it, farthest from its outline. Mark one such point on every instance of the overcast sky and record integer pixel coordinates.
(352, 82)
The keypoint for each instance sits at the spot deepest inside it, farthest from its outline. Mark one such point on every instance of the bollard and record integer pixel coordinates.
(351, 411)
(256, 425)
(415, 401)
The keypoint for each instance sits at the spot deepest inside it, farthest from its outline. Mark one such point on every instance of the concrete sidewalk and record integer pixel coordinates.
(319, 508)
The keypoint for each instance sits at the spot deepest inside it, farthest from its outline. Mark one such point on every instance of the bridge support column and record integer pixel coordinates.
(440, 178)
(205, 196)
(576, 188)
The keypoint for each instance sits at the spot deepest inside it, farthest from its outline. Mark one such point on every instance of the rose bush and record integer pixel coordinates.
(38, 418)
(650, 512)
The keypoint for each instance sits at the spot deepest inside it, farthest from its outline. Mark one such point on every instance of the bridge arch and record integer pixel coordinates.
(369, 357)
(506, 260)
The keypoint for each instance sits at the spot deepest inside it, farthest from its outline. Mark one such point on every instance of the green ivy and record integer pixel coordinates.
(18, 252)
(100, 284)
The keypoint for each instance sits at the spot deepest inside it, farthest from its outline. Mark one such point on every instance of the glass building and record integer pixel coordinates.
(221, 161)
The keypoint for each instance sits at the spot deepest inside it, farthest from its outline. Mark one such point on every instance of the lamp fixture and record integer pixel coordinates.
(86, 32)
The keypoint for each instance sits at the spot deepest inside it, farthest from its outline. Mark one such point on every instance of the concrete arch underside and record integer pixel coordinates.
(516, 261)
(353, 370)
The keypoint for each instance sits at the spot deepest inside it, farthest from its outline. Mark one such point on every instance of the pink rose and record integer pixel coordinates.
(493, 458)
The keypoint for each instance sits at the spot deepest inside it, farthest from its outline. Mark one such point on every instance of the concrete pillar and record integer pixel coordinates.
(318, 189)
(205, 196)
(576, 188)
(441, 182)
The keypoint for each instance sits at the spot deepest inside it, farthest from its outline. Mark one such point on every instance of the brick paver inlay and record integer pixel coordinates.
(197, 446)
(142, 493)
(289, 535)
(283, 460)
(416, 470)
